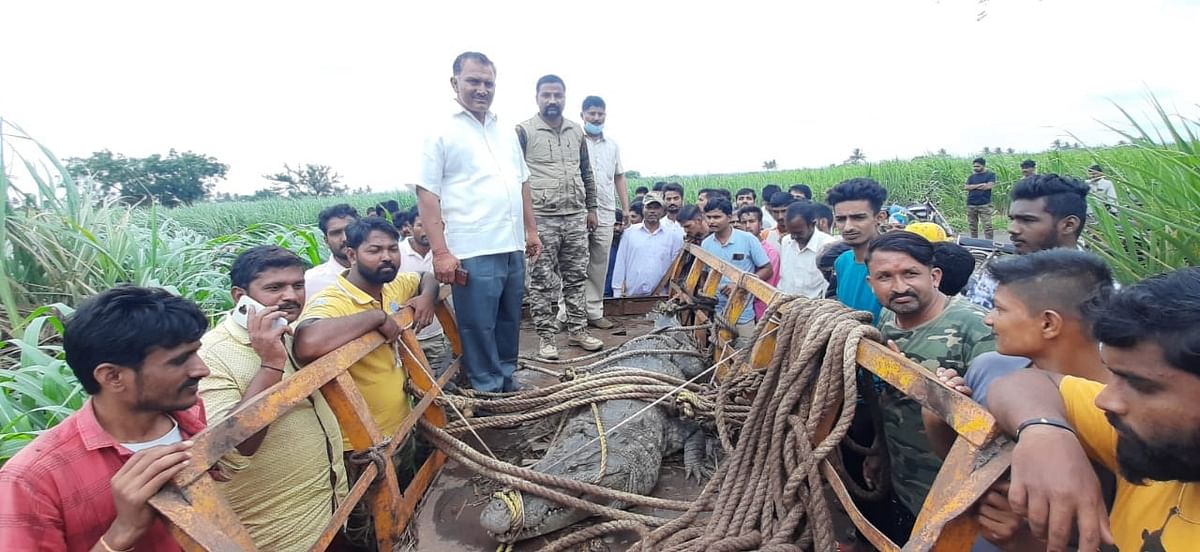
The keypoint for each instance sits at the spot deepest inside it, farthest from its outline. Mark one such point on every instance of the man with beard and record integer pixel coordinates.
(474, 198)
(1047, 211)
(85, 484)
(564, 204)
(1028, 168)
(933, 331)
(979, 198)
(673, 201)
(695, 227)
(857, 211)
(646, 252)
(363, 300)
(777, 206)
(416, 256)
(799, 251)
(284, 499)
(1145, 425)
(333, 222)
(609, 175)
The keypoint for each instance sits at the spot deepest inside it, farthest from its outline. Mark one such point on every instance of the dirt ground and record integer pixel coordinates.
(449, 518)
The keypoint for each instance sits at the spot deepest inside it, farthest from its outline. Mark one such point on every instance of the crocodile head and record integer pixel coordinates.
(538, 517)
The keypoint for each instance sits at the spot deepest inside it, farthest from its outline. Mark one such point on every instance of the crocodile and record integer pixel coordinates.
(635, 450)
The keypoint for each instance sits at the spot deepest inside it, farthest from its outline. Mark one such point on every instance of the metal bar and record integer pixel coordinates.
(365, 478)
(218, 532)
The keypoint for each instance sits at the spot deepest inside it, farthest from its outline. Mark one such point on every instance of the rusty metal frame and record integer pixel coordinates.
(200, 518)
(980, 454)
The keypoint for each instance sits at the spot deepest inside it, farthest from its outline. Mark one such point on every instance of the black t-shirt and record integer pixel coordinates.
(980, 197)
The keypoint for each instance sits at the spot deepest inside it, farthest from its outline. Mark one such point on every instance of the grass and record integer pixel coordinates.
(58, 244)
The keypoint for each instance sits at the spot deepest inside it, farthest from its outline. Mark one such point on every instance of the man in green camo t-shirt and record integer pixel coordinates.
(930, 329)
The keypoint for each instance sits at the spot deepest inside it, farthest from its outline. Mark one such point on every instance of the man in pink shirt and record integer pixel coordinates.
(751, 218)
(86, 483)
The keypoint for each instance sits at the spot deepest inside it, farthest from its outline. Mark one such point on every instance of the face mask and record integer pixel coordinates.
(592, 129)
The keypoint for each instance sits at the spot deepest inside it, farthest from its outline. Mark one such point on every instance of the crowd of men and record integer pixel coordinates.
(1096, 384)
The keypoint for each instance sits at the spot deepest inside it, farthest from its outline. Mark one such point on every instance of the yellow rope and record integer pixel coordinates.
(516, 510)
(603, 444)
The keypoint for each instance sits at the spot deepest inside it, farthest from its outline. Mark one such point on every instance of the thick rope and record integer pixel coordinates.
(768, 492)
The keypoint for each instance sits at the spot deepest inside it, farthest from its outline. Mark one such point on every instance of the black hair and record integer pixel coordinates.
(1065, 196)
(256, 260)
(1164, 309)
(707, 192)
(549, 79)
(392, 205)
(724, 193)
(336, 211)
(641, 190)
(125, 324)
(781, 199)
(956, 263)
(751, 209)
(660, 186)
(909, 243)
(980, 161)
(746, 191)
(1028, 164)
(824, 211)
(719, 204)
(689, 212)
(769, 191)
(802, 188)
(637, 207)
(357, 232)
(620, 215)
(1096, 168)
(1061, 278)
(858, 189)
(806, 210)
(475, 56)
(672, 187)
(592, 101)
(401, 218)
(830, 254)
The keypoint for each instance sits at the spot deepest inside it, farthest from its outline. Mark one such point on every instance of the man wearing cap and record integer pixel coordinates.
(646, 252)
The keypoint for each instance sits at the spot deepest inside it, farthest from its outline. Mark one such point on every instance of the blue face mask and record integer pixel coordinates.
(592, 129)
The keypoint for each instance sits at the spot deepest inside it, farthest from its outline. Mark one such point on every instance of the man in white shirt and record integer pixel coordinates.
(672, 195)
(609, 176)
(474, 200)
(332, 222)
(799, 249)
(417, 256)
(1102, 188)
(646, 252)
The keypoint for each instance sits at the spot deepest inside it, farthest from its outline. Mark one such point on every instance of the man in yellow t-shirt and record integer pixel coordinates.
(362, 300)
(1145, 425)
(285, 482)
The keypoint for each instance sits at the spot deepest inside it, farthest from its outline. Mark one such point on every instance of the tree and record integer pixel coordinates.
(1010, 151)
(1058, 144)
(942, 152)
(770, 165)
(632, 174)
(857, 156)
(176, 179)
(309, 180)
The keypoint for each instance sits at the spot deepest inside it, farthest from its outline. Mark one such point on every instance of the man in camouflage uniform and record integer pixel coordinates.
(932, 330)
(564, 203)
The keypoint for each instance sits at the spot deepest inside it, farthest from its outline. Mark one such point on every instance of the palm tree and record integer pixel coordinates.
(770, 165)
(857, 156)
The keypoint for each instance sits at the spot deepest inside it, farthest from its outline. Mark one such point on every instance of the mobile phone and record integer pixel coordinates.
(241, 314)
(460, 276)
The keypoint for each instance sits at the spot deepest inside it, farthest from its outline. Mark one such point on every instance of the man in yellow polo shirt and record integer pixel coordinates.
(1145, 425)
(286, 481)
(362, 300)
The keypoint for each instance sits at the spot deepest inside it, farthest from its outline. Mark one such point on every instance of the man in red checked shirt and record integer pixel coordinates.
(86, 483)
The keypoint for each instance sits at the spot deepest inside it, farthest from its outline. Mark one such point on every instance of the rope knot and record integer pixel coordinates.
(568, 374)
(373, 455)
(687, 402)
(512, 500)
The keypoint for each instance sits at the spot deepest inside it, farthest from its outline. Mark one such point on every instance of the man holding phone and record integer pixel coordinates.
(283, 498)
(474, 198)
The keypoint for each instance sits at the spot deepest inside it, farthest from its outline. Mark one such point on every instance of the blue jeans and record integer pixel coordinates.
(488, 314)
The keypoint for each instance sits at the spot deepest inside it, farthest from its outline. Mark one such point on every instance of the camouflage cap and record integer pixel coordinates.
(652, 197)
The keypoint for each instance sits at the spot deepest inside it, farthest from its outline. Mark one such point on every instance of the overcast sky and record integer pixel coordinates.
(692, 87)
